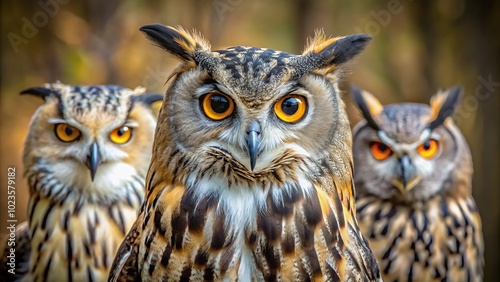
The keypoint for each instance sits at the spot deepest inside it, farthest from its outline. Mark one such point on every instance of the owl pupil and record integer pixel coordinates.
(219, 104)
(382, 147)
(121, 131)
(427, 145)
(290, 106)
(68, 130)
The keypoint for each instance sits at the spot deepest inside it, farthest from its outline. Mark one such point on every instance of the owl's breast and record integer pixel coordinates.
(427, 241)
(75, 243)
(250, 231)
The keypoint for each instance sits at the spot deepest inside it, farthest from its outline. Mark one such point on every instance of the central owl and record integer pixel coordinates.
(251, 173)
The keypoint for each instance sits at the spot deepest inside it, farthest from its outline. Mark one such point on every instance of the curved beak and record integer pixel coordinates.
(405, 169)
(93, 159)
(253, 142)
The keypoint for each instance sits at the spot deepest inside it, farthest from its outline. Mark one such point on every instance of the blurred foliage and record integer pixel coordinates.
(418, 47)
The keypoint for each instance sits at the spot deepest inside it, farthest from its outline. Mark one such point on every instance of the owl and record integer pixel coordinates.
(413, 172)
(85, 157)
(251, 173)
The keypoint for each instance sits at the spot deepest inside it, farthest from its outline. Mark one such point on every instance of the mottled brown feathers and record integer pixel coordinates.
(213, 214)
(436, 240)
(77, 218)
(415, 204)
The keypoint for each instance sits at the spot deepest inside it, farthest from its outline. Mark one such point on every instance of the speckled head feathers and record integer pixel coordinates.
(102, 98)
(421, 146)
(442, 106)
(240, 63)
(93, 110)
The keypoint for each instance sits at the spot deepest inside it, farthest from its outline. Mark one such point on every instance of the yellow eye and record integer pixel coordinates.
(291, 108)
(66, 132)
(217, 106)
(428, 149)
(121, 135)
(380, 151)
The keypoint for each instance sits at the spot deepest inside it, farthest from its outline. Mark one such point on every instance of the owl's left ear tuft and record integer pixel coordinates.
(332, 52)
(368, 105)
(443, 105)
(41, 92)
(324, 55)
(176, 40)
(148, 98)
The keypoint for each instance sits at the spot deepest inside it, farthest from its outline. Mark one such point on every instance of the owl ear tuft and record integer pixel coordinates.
(176, 41)
(337, 50)
(443, 105)
(153, 101)
(148, 98)
(368, 104)
(330, 53)
(324, 55)
(41, 92)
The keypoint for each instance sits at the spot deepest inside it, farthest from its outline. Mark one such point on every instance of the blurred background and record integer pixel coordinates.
(417, 47)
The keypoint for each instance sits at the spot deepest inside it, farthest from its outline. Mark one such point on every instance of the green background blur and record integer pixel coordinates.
(418, 47)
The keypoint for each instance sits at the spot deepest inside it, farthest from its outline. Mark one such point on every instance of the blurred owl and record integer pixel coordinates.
(413, 173)
(85, 157)
(251, 173)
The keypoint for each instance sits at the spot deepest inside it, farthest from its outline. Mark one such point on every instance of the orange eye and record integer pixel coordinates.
(428, 149)
(121, 135)
(380, 151)
(217, 106)
(66, 132)
(291, 108)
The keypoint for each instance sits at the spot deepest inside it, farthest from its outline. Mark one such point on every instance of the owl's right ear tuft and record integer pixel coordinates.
(41, 92)
(368, 104)
(176, 41)
(443, 105)
(153, 101)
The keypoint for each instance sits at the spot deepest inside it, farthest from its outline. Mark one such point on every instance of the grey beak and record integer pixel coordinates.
(253, 142)
(405, 169)
(93, 159)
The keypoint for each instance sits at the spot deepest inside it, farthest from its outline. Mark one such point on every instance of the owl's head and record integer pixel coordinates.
(409, 151)
(250, 105)
(91, 136)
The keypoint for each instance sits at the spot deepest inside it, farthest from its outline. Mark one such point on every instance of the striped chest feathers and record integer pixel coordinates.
(425, 241)
(214, 231)
(75, 244)
(75, 231)
(207, 231)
